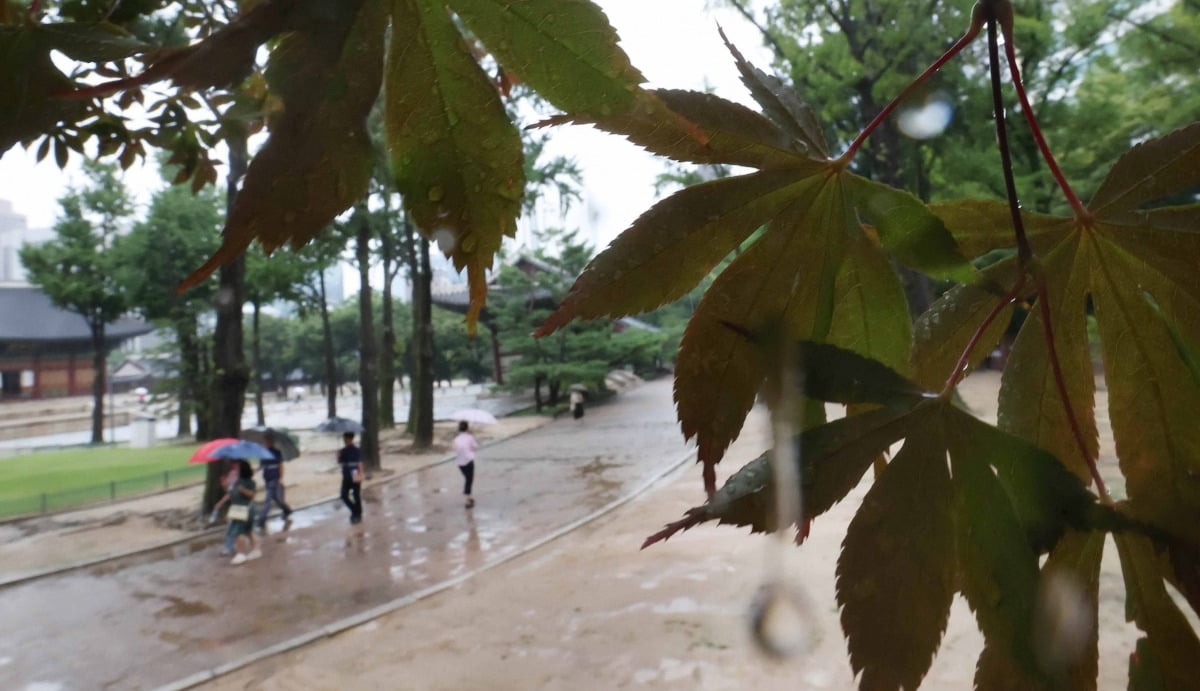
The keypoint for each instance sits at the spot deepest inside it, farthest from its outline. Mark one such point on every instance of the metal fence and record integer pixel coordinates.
(48, 502)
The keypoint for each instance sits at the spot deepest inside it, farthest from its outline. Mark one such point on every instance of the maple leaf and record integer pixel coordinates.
(1110, 259)
(1168, 656)
(456, 158)
(962, 505)
(220, 60)
(816, 213)
(455, 155)
(318, 159)
(32, 84)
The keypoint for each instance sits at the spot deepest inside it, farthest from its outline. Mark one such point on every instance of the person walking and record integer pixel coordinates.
(465, 446)
(272, 471)
(350, 459)
(228, 480)
(241, 514)
(576, 403)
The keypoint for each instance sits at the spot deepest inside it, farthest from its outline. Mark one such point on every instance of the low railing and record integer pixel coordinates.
(50, 502)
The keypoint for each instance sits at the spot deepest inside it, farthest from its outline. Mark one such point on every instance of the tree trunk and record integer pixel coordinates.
(255, 366)
(537, 392)
(368, 361)
(200, 399)
(189, 371)
(228, 392)
(331, 377)
(387, 352)
(99, 381)
(420, 413)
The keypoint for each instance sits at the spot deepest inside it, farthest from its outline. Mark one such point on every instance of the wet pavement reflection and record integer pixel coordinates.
(149, 619)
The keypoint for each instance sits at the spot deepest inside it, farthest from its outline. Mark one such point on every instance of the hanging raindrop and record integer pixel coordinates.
(780, 619)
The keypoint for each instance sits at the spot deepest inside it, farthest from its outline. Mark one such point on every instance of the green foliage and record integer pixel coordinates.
(179, 229)
(458, 354)
(77, 270)
(580, 353)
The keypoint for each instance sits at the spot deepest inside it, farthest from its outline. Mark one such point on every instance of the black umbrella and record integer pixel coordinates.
(285, 442)
(338, 425)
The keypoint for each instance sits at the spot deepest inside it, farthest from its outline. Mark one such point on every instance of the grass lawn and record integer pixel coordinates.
(77, 476)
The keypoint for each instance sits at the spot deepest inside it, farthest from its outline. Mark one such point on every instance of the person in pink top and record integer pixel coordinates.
(465, 447)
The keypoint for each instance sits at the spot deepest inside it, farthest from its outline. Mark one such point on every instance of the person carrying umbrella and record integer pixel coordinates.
(272, 470)
(241, 514)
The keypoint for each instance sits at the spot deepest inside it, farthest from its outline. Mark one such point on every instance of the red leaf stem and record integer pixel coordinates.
(960, 367)
(970, 35)
(1061, 383)
(1025, 256)
(1010, 54)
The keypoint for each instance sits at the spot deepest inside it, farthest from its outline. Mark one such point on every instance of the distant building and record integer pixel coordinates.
(14, 232)
(48, 351)
(45, 351)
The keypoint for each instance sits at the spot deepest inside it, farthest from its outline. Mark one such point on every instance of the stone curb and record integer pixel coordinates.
(378, 611)
(20, 578)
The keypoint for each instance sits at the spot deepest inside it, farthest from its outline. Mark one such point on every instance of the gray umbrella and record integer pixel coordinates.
(338, 425)
(285, 442)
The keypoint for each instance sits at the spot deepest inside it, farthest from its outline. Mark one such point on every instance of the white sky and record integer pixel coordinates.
(673, 42)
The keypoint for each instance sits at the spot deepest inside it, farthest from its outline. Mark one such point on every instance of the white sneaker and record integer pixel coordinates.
(254, 554)
(238, 558)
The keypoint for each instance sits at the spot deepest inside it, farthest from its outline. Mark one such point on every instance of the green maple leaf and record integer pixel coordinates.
(33, 87)
(318, 159)
(455, 155)
(817, 272)
(1168, 657)
(1112, 259)
(963, 505)
(896, 573)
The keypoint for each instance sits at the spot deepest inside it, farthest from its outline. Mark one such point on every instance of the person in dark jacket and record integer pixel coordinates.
(350, 459)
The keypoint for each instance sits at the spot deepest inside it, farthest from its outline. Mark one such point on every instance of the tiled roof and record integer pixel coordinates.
(27, 314)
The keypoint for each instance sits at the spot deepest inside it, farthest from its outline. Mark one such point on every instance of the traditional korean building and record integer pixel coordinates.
(46, 351)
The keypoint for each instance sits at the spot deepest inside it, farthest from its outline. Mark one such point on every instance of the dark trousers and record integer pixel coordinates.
(468, 472)
(352, 496)
(274, 494)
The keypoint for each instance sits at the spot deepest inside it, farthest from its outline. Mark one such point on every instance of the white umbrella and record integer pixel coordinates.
(473, 415)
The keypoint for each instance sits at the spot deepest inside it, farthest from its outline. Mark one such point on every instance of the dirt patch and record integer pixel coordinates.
(188, 520)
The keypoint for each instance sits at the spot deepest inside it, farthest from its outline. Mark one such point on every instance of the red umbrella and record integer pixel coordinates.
(204, 453)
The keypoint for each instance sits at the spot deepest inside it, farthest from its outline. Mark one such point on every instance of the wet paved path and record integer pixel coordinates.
(147, 620)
